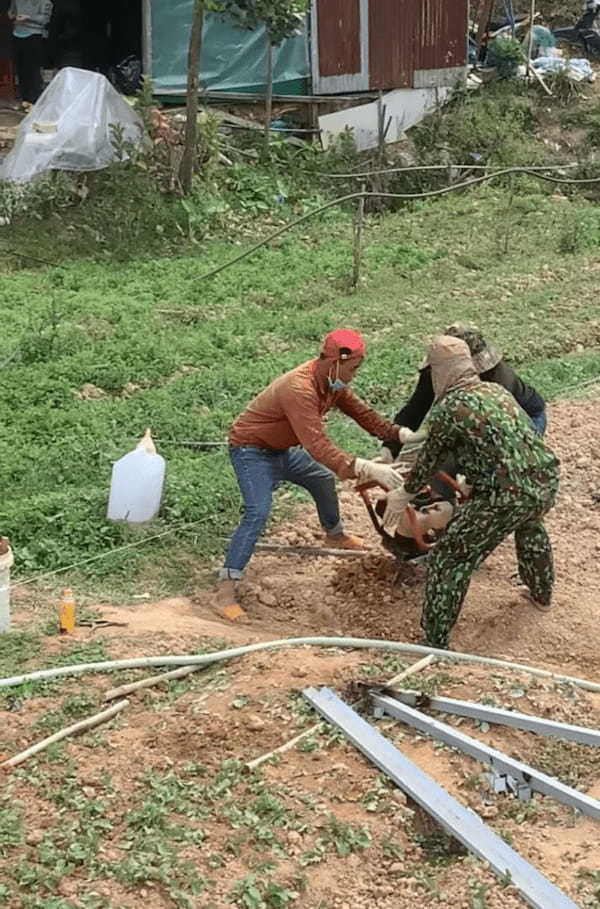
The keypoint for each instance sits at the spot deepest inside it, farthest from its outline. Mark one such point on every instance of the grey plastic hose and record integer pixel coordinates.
(206, 659)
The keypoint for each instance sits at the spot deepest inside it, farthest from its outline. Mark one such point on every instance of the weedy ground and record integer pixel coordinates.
(107, 351)
(159, 807)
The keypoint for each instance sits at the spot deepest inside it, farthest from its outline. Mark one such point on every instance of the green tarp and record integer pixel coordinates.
(233, 60)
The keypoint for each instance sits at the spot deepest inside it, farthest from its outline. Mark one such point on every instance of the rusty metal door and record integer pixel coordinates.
(339, 46)
(393, 42)
(360, 45)
(443, 35)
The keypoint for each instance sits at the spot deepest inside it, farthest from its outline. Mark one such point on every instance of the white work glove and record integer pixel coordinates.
(396, 502)
(372, 472)
(407, 435)
(465, 488)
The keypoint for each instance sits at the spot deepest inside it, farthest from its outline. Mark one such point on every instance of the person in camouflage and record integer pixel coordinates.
(514, 478)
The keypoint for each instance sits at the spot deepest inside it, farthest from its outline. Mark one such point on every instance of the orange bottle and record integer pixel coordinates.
(66, 612)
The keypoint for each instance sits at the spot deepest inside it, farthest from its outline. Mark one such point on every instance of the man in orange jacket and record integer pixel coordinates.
(280, 437)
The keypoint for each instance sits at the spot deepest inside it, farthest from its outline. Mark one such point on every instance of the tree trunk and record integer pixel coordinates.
(530, 41)
(484, 20)
(358, 229)
(269, 95)
(188, 161)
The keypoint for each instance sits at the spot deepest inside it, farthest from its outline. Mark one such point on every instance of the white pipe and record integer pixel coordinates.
(6, 561)
(206, 659)
(82, 726)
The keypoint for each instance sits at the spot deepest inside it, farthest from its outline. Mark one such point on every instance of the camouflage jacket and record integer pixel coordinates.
(493, 443)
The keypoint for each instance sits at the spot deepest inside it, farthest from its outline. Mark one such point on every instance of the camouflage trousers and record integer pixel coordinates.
(478, 528)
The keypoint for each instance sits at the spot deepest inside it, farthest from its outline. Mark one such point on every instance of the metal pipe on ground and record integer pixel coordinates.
(318, 727)
(500, 762)
(498, 716)
(206, 659)
(463, 824)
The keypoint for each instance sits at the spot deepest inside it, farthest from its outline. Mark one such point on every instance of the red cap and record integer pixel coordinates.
(342, 339)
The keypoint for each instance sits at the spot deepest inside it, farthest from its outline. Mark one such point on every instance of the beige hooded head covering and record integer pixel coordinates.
(452, 367)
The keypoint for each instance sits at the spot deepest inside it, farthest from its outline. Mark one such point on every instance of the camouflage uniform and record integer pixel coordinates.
(515, 480)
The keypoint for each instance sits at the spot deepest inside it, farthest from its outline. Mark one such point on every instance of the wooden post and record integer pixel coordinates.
(147, 37)
(380, 127)
(124, 690)
(188, 161)
(485, 14)
(76, 728)
(511, 13)
(358, 229)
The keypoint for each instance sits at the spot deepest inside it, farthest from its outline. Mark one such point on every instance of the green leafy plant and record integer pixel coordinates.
(251, 893)
(506, 54)
(564, 89)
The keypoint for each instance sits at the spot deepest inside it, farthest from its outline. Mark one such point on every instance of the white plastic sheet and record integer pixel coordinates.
(578, 69)
(69, 128)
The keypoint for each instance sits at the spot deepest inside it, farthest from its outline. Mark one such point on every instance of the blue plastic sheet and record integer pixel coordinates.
(233, 59)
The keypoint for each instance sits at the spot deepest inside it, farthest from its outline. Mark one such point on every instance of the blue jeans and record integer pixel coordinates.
(259, 472)
(539, 422)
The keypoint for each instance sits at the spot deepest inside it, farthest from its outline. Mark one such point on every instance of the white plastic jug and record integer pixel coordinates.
(6, 560)
(137, 484)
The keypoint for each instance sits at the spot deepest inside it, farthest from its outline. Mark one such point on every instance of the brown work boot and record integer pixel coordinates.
(226, 604)
(343, 541)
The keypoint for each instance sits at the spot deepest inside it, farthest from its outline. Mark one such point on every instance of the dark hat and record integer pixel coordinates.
(485, 355)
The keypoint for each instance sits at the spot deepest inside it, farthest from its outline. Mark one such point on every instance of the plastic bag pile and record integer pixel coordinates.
(70, 127)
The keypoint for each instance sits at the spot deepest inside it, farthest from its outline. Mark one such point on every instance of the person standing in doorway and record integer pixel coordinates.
(65, 34)
(30, 20)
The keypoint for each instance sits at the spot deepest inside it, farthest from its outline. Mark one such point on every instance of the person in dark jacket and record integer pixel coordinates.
(65, 34)
(30, 19)
(491, 367)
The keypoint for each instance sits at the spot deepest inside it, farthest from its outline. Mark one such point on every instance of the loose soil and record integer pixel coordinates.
(248, 707)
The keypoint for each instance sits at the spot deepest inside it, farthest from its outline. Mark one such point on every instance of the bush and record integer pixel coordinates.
(505, 53)
(495, 126)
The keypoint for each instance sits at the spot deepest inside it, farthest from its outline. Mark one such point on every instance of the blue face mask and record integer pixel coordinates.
(336, 384)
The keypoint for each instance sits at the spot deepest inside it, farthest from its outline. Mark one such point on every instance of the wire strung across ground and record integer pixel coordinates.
(474, 181)
(107, 553)
(427, 167)
(186, 526)
(532, 170)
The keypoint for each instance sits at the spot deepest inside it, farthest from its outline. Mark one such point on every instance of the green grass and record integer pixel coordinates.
(21, 649)
(481, 256)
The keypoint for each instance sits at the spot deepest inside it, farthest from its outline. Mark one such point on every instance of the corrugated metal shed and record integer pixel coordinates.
(361, 45)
